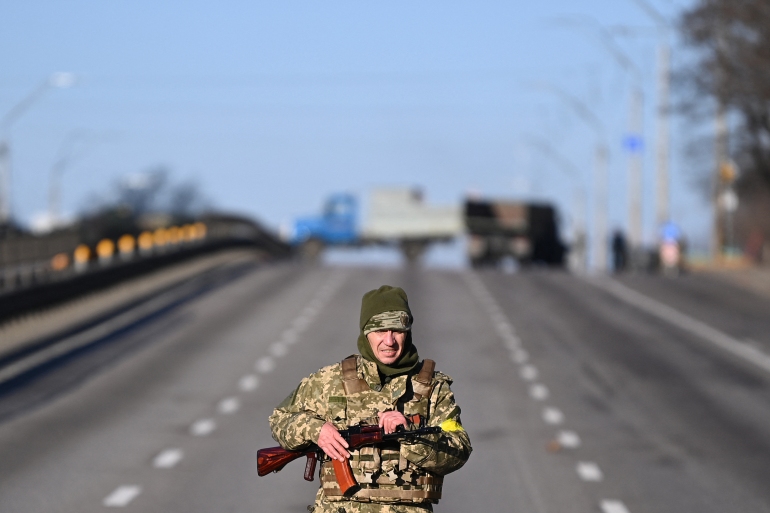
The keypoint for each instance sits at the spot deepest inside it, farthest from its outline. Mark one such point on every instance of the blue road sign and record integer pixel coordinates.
(633, 143)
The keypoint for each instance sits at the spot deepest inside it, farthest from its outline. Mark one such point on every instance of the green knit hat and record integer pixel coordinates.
(387, 305)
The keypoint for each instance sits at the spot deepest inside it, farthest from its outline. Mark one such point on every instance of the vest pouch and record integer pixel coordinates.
(366, 464)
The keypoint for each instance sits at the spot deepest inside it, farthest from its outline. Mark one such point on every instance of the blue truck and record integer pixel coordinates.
(336, 226)
(396, 217)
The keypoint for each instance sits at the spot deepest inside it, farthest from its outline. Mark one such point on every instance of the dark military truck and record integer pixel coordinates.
(527, 232)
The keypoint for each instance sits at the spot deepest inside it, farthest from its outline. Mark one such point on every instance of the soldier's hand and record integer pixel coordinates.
(332, 443)
(390, 420)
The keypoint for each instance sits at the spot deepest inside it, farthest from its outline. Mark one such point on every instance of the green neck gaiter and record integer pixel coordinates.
(387, 299)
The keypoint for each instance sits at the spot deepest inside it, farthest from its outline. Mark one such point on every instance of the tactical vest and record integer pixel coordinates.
(381, 472)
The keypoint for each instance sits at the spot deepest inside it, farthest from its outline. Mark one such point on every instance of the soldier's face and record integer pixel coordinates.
(387, 345)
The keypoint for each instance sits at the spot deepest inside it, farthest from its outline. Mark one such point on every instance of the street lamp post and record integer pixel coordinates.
(56, 80)
(662, 211)
(545, 147)
(634, 141)
(600, 176)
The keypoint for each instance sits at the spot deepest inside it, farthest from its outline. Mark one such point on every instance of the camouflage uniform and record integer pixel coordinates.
(322, 398)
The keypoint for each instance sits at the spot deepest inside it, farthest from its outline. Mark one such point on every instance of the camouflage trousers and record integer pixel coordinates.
(323, 506)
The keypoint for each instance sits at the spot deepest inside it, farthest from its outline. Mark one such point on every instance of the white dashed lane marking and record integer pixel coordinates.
(589, 471)
(248, 383)
(229, 405)
(568, 439)
(520, 356)
(538, 392)
(203, 427)
(610, 506)
(264, 365)
(122, 496)
(168, 458)
(528, 372)
(289, 336)
(512, 342)
(553, 416)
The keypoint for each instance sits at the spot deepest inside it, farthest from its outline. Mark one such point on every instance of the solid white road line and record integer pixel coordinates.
(568, 439)
(229, 405)
(121, 496)
(589, 471)
(553, 415)
(528, 372)
(168, 458)
(610, 506)
(685, 322)
(538, 392)
(248, 383)
(264, 365)
(203, 427)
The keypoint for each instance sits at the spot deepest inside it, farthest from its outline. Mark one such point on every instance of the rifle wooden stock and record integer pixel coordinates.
(273, 459)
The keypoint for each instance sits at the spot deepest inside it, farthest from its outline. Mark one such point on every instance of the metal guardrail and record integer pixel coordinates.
(32, 285)
(64, 265)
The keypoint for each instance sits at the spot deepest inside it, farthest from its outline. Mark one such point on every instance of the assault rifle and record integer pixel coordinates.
(273, 459)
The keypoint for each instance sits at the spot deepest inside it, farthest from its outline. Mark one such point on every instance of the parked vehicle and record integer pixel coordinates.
(396, 217)
(526, 232)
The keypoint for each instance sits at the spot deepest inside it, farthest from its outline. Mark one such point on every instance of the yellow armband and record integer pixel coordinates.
(451, 425)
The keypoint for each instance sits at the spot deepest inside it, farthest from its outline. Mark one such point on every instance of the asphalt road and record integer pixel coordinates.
(580, 395)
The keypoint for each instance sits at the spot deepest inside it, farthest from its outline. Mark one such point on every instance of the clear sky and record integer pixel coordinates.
(270, 106)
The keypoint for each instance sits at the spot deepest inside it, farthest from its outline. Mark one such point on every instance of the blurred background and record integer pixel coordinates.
(170, 166)
(624, 116)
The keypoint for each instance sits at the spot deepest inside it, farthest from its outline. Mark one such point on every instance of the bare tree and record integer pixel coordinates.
(731, 41)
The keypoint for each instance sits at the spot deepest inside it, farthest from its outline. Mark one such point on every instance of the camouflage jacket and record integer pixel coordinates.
(320, 398)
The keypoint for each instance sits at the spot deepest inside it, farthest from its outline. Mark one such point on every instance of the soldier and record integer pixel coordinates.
(382, 386)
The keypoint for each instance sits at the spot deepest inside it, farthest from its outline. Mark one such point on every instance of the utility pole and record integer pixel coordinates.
(662, 210)
(662, 193)
(721, 147)
(601, 206)
(635, 147)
